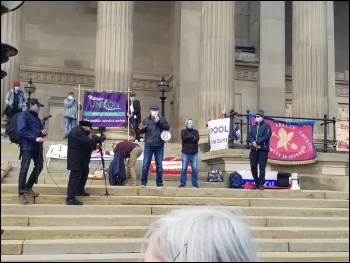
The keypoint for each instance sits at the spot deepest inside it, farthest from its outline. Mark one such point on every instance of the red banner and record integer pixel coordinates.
(291, 143)
(171, 166)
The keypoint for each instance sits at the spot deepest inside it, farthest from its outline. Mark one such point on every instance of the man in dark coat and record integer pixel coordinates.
(134, 115)
(80, 146)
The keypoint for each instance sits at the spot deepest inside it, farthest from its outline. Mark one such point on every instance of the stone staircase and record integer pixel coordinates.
(288, 226)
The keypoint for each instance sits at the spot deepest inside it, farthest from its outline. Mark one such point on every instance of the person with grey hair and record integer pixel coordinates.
(189, 153)
(199, 234)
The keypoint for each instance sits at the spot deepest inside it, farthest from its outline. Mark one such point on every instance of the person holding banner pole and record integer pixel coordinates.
(259, 138)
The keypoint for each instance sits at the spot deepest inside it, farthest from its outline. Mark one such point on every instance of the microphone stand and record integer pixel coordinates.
(103, 166)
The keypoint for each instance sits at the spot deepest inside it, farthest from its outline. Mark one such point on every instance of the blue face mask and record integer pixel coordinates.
(37, 109)
(190, 126)
(16, 88)
(258, 119)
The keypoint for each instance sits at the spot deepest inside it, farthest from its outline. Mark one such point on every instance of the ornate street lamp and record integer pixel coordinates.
(163, 86)
(30, 88)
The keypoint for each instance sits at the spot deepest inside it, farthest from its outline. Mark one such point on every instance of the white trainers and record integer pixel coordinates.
(143, 186)
(160, 186)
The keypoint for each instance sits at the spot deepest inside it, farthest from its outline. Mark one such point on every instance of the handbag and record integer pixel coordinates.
(214, 176)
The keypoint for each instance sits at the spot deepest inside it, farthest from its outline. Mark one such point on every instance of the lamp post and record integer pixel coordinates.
(30, 88)
(163, 86)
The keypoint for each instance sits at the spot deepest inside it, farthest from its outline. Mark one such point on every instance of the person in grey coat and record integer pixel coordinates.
(70, 113)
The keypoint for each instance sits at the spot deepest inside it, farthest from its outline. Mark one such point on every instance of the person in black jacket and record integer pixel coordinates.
(189, 153)
(80, 146)
(152, 127)
(134, 115)
(259, 138)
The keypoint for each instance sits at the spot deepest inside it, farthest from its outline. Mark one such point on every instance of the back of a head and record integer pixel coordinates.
(201, 234)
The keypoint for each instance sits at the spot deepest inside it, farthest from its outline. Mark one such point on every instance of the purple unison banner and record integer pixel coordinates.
(105, 109)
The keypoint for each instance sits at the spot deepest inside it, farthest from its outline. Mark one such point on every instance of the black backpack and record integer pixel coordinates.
(12, 131)
(235, 180)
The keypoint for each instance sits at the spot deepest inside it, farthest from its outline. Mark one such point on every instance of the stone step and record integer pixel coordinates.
(66, 232)
(100, 199)
(152, 190)
(146, 220)
(136, 257)
(125, 245)
(62, 209)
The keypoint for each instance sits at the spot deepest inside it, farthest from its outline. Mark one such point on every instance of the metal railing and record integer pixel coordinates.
(244, 121)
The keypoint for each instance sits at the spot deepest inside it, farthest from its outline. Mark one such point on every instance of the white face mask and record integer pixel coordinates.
(70, 97)
(154, 113)
(132, 98)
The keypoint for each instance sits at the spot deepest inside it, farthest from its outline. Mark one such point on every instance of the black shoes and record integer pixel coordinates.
(182, 185)
(73, 202)
(196, 186)
(255, 187)
(261, 187)
(84, 194)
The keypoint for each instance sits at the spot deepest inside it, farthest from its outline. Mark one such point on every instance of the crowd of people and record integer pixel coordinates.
(32, 132)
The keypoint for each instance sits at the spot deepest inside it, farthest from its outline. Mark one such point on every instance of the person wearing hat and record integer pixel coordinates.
(80, 146)
(152, 127)
(15, 100)
(134, 115)
(31, 133)
(259, 138)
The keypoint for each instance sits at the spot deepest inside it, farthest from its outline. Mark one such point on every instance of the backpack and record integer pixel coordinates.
(12, 131)
(214, 176)
(235, 180)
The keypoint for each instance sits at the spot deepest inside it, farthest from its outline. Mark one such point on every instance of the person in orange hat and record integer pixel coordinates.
(15, 99)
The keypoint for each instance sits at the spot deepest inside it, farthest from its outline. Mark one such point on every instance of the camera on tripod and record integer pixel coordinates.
(101, 138)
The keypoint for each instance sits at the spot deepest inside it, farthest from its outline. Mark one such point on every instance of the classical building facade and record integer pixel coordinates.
(288, 58)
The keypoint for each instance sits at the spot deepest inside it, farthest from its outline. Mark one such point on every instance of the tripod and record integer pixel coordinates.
(103, 167)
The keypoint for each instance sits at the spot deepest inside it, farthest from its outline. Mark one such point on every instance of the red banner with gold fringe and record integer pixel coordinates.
(291, 143)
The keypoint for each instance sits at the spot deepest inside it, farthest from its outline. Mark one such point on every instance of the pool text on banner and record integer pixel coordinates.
(218, 133)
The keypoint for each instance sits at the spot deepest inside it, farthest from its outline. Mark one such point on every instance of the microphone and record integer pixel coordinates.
(46, 118)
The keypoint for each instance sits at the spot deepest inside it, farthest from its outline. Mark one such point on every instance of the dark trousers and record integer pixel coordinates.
(76, 183)
(38, 160)
(258, 158)
(135, 125)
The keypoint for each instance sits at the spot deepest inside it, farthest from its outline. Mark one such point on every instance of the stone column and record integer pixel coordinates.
(310, 62)
(114, 45)
(11, 33)
(272, 73)
(217, 64)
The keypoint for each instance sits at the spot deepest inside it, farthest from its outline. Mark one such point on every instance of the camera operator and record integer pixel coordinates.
(80, 146)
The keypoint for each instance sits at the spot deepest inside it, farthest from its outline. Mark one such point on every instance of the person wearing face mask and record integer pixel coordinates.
(31, 133)
(152, 127)
(15, 100)
(70, 113)
(189, 153)
(80, 146)
(259, 138)
(134, 115)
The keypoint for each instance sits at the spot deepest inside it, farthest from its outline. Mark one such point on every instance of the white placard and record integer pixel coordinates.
(218, 133)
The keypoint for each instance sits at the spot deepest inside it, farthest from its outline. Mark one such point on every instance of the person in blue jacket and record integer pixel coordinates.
(31, 133)
(259, 138)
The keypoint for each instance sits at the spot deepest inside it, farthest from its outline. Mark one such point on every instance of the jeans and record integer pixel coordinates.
(186, 158)
(148, 152)
(76, 183)
(69, 122)
(135, 125)
(258, 157)
(38, 160)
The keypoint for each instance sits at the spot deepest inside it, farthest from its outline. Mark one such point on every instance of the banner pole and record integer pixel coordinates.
(128, 112)
(78, 103)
